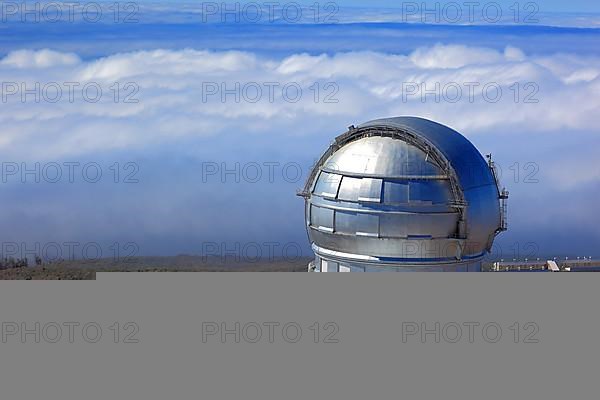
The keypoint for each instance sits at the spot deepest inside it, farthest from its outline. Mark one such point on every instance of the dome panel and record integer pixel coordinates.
(381, 157)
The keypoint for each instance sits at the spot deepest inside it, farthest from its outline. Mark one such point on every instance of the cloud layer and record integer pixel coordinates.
(154, 96)
(548, 113)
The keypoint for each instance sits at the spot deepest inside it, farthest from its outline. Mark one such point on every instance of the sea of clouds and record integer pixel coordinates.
(201, 93)
(173, 110)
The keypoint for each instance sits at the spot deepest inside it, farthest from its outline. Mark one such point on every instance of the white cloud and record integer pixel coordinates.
(39, 59)
(171, 104)
(454, 56)
(167, 63)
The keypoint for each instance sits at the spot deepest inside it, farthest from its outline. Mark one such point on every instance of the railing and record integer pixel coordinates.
(538, 265)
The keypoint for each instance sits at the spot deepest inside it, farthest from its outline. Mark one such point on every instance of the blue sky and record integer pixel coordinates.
(548, 5)
(547, 150)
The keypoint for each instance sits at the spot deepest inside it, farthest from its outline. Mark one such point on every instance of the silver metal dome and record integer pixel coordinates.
(402, 193)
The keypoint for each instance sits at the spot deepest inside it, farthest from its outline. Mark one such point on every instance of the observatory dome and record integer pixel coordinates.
(399, 194)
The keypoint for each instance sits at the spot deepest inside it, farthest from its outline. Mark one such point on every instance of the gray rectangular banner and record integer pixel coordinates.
(302, 336)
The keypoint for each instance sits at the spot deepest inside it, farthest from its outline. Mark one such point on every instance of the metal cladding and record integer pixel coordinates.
(402, 193)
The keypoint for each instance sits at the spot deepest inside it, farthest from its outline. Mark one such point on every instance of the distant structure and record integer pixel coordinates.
(402, 194)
